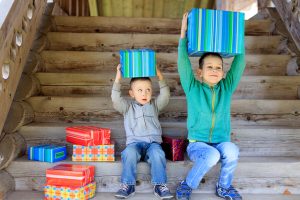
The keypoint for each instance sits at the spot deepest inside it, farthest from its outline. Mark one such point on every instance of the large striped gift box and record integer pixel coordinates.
(70, 175)
(215, 31)
(93, 153)
(47, 153)
(53, 192)
(138, 63)
(88, 135)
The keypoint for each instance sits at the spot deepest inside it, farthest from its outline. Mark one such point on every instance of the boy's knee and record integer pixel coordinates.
(213, 157)
(232, 152)
(130, 154)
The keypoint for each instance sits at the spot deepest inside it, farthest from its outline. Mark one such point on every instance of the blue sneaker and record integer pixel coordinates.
(125, 191)
(162, 191)
(229, 194)
(183, 191)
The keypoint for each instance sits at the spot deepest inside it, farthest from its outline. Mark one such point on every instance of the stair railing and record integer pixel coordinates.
(16, 36)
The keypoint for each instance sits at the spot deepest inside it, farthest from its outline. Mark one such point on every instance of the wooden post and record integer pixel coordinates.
(171, 8)
(7, 184)
(11, 146)
(28, 86)
(290, 15)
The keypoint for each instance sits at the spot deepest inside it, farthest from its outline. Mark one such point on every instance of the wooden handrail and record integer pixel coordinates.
(289, 12)
(16, 37)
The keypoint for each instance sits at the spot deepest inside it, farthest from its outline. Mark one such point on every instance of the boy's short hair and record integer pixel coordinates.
(139, 79)
(201, 59)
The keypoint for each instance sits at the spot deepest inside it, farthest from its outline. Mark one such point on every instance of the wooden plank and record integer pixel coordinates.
(29, 86)
(171, 8)
(158, 10)
(7, 184)
(283, 174)
(117, 8)
(252, 140)
(251, 87)
(107, 8)
(159, 42)
(138, 8)
(72, 61)
(33, 195)
(128, 8)
(148, 8)
(143, 25)
(89, 109)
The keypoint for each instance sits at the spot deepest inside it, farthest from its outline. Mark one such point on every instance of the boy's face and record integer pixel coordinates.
(212, 70)
(141, 91)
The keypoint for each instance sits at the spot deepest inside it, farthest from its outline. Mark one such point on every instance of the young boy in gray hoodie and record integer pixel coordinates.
(143, 133)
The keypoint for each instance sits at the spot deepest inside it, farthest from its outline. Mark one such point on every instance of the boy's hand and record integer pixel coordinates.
(118, 74)
(184, 25)
(159, 74)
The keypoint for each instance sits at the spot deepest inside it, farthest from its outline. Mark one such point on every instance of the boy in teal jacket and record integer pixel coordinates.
(208, 122)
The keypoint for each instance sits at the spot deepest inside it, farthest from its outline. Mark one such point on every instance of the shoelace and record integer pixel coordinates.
(163, 188)
(124, 187)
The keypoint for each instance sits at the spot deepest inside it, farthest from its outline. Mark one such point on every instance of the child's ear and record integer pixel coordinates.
(131, 93)
(199, 73)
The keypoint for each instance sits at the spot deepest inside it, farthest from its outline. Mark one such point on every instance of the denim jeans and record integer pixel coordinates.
(205, 156)
(149, 152)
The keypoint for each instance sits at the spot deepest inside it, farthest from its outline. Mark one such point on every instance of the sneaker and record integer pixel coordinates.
(162, 191)
(125, 192)
(183, 191)
(229, 194)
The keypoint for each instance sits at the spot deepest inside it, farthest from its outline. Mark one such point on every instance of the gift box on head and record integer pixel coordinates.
(138, 63)
(215, 31)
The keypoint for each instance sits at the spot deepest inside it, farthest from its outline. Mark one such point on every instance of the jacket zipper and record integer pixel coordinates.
(213, 114)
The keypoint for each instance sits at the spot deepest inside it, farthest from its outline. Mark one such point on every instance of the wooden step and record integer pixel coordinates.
(244, 112)
(91, 83)
(252, 140)
(72, 61)
(159, 42)
(253, 175)
(141, 25)
(33, 195)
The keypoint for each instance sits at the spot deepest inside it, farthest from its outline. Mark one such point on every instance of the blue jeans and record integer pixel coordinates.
(205, 156)
(149, 152)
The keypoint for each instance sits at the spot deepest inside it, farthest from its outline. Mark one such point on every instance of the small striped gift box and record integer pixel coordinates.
(93, 153)
(47, 153)
(215, 31)
(53, 192)
(138, 63)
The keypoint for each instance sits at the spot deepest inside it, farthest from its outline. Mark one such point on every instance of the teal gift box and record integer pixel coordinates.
(215, 31)
(138, 63)
(47, 153)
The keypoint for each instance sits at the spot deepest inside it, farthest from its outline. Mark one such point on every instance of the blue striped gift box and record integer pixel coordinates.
(138, 63)
(47, 153)
(215, 31)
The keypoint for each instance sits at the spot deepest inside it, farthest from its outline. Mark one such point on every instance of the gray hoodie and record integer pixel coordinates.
(141, 121)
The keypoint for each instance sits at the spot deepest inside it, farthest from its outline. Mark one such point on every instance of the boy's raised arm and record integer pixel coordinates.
(119, 103)
(235, 73)
(164, 95)
(186, 73)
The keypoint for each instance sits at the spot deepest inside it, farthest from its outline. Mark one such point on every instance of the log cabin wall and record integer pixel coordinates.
(131, 8)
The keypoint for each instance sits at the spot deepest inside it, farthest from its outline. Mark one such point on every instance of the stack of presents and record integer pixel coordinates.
(73, 181)
(207, 31)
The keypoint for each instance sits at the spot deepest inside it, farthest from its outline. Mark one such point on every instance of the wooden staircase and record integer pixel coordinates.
(76, 74)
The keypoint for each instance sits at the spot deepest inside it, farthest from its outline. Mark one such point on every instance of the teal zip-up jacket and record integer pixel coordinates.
(208, 107)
